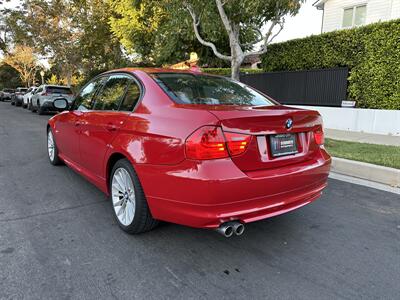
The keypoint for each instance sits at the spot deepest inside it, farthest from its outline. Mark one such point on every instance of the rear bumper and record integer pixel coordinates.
(206, 194)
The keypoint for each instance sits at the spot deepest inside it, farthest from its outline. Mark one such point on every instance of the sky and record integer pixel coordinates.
(307, 22)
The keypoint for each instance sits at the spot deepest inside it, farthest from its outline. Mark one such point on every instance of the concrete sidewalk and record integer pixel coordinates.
(362, 137)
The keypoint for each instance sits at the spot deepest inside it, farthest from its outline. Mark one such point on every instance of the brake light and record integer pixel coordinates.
(237, 142)
(319, 137)
(207, 142)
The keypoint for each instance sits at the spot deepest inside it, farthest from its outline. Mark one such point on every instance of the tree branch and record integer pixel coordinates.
(268, 37)
(196, 23)
(224, 17)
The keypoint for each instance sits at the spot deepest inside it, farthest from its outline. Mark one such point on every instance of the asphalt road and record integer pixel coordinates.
(58, 240)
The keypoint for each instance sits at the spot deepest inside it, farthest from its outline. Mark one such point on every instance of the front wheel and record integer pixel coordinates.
(52, 150)
(128, 199)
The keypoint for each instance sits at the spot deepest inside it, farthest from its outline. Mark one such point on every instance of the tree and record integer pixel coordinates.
(159, 32)
(9, 77)
(24, 60)
(74, 36)
(240, 18)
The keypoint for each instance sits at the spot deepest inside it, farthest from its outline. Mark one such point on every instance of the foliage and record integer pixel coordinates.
(242, 21)
(9, 77)
(73, 35)
(23, 59)
(227, 71)
(383, 155)
(158, 32)
(371, 52)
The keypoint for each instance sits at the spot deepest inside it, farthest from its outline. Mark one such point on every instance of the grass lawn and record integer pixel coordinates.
(388, 156)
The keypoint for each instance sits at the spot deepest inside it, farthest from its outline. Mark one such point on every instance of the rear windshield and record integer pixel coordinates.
(211, 90)
(58, 90)
(8, 91)
(22, 90)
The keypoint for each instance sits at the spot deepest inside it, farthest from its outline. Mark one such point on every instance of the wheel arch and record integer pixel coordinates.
(111, 161)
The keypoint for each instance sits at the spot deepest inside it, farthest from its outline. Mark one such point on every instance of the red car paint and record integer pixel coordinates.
(195, 192)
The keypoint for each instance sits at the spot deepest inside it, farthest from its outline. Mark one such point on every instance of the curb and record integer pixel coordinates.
(385, 175)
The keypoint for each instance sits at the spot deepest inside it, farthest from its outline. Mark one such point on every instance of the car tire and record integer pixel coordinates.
(128, 200)
(52, 151)
(40, 110)
(12, 103)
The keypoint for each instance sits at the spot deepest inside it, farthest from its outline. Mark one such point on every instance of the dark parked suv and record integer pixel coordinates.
(18, 97)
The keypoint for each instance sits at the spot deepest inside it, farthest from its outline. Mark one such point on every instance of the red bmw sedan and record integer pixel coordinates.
(189, 148)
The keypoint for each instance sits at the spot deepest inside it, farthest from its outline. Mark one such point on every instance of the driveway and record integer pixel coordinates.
(58, 240)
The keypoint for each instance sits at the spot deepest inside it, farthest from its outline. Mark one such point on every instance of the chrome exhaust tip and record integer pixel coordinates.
(226, 230)
(238, 228)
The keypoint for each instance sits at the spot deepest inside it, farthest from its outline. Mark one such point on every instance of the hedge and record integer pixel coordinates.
(227, 71)
(371, 52)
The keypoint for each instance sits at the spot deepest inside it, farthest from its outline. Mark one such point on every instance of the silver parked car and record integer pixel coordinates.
(6, 94)
(28, 96)
(43, 98)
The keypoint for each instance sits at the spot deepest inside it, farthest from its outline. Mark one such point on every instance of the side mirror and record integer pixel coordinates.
(60, 104)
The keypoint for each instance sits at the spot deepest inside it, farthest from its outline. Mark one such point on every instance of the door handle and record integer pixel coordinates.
(111, 127)
(78, 123)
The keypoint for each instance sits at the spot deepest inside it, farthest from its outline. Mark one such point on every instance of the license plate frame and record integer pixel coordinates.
(283, 144)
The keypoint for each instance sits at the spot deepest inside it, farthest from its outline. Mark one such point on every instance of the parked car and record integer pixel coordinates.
(28, 96)
(42, 99)
(189, 148)
(6, 94)
(17, 97)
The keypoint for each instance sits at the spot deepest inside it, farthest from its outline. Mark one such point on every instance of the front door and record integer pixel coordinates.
(69, 126)
(102, 123)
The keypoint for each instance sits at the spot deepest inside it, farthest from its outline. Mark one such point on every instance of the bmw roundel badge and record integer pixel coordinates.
(289, 123)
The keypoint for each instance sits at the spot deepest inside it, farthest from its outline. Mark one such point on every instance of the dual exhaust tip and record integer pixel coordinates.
(230, 228)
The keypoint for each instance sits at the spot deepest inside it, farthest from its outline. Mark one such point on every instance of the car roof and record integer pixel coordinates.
(56, 86)
(154, 70)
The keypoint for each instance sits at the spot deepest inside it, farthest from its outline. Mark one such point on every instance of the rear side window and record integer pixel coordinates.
(111, 95)
(132, 96)
(83, 100)
(58, 90)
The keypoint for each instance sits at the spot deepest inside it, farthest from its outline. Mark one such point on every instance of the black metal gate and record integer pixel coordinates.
(324, 87)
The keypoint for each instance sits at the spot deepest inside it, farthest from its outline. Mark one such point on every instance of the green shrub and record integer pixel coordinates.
(227, 71)
(372, 54)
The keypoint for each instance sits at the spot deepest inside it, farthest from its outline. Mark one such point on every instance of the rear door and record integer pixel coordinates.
(110, 110)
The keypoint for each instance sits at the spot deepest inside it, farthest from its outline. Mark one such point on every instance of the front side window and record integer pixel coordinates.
(111, 95)
(83, 100)
(210, 90)
(354, 16)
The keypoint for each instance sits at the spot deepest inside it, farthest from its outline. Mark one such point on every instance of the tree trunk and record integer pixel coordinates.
(235, 70)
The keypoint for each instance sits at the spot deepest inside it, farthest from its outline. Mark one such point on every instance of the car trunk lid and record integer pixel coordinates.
(264, 123)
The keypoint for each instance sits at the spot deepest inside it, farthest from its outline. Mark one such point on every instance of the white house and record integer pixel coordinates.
(341, 14)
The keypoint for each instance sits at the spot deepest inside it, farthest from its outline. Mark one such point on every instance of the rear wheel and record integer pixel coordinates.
(128, 199)
(40, 109)
(52, 150)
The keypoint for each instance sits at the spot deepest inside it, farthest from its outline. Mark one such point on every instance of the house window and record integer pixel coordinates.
(354, 16)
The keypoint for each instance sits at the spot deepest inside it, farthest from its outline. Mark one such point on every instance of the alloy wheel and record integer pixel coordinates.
(50, 145)
(123, 196)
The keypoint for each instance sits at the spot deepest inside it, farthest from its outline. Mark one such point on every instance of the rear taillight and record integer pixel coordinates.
(319, 137)
(209, 142)
(237, 142)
